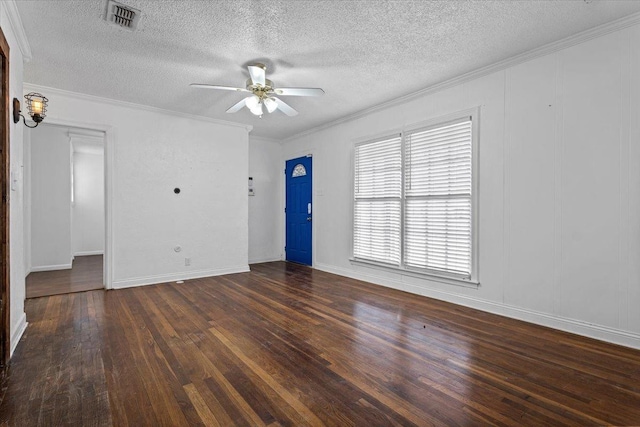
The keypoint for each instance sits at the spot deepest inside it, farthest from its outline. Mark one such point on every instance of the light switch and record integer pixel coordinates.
(251, 192)
(14, 181)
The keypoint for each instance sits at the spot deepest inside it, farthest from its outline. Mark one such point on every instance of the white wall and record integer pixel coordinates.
(151, 152)
(265, 207)
(559, 231)
(26, 192)
(50, 183)
(88, 207)
(11, 27)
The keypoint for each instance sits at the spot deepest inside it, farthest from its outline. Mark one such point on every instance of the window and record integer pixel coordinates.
(377, 208)
(414, 200)
(298, 170)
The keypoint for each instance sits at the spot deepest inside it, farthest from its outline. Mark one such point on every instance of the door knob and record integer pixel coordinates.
(308, 218)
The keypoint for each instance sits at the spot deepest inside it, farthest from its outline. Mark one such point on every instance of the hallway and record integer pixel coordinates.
(86, 275)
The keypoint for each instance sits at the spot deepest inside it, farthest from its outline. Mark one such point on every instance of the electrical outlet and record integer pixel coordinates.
(187, 262)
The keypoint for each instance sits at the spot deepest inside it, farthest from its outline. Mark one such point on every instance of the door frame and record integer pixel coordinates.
(5, 286)
(109, 144)
(295, 155)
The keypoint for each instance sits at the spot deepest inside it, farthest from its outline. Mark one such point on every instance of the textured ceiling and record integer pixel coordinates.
(362, 53)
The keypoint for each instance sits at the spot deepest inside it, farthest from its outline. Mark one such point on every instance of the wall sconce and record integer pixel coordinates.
(37, 106)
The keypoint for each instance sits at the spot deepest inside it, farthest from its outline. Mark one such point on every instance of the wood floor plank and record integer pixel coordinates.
(307, 417)
(129, 400)
(159, 380)
(196, 354)
(208, 419)
(286, 345)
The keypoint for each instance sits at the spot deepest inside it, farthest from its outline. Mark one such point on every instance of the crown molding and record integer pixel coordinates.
(29, 87)
(18, 29)
(547, 49)
(263, 139)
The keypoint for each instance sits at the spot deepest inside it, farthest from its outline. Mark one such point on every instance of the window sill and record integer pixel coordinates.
(449, 280)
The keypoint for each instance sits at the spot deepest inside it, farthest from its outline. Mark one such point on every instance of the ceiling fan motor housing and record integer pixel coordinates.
(259, 90)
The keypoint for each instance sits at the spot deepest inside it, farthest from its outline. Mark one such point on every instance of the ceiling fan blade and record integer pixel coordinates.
(285, 108)
(236, 89)
(257, 73)
(299, 91)
(237, 107)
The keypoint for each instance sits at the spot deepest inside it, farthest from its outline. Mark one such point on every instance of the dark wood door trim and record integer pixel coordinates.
(5, 346)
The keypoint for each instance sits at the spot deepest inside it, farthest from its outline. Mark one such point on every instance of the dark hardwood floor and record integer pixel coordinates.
(86, 275)
(288, 345)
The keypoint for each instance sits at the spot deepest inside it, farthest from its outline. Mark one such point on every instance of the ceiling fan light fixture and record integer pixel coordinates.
(252, 102)
(271, 104)
(257, 110)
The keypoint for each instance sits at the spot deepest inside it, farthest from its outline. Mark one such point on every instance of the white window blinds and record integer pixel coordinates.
(378, 197)
(438, 204)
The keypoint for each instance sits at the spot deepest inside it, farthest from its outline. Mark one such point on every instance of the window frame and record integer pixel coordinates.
(471, 280)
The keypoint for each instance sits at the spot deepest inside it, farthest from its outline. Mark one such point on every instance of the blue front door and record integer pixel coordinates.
(298, 210)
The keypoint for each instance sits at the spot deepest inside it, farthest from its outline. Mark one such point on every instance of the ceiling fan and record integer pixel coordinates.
(263, 93)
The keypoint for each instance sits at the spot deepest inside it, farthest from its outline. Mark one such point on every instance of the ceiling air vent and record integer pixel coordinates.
(122, 15)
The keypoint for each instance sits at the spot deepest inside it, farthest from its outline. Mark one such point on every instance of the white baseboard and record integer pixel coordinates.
(261, 260)
(17, 333)
(51, 267)
(185, 275)
(87, 253)
(603, 333)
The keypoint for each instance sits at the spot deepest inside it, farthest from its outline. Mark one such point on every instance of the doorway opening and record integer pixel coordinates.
(65, 211)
